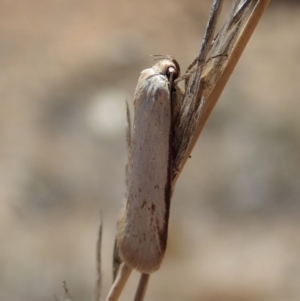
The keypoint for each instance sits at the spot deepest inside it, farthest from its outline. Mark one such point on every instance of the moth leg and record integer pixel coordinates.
(194, 62)
(191, 69)
(216, 56)
(177, 101)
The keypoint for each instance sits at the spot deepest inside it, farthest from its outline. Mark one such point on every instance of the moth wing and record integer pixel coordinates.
(143, 236)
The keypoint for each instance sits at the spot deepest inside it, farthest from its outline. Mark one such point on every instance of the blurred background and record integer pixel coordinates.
(66, 68)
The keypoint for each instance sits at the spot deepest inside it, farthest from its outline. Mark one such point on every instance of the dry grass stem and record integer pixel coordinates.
(66, 296)
(142, 287)
(97, 295)
(233, 58)
(119, 283)
(209, 76)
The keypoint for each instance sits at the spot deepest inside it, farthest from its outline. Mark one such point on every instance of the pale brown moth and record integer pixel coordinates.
(143, 225)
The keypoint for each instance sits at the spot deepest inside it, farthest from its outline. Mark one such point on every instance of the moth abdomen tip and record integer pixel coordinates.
(141, 251)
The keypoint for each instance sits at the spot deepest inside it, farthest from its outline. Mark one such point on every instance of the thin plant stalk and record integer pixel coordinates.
(119, 283)
(237, 51)
(97, 295)
(142, 287)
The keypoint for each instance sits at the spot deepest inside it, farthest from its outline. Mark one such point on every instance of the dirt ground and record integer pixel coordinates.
(66, 68)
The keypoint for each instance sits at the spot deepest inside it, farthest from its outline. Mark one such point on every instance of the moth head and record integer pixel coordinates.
(168, 67)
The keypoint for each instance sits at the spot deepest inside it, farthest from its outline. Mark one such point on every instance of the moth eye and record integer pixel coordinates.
(171, 73)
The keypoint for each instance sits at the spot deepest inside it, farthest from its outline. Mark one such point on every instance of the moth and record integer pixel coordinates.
(143, 224)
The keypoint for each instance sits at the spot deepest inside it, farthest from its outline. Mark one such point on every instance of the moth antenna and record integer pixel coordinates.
(158, 57)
